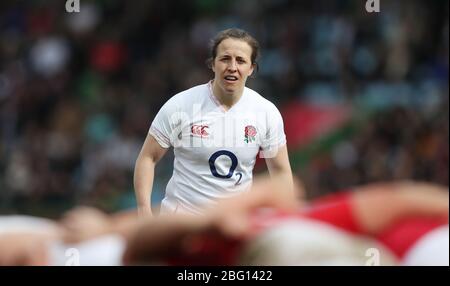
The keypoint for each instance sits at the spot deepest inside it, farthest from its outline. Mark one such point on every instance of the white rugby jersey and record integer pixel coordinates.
(215, 150)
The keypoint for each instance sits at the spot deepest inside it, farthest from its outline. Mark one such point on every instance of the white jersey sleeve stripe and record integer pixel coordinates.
(163, 140)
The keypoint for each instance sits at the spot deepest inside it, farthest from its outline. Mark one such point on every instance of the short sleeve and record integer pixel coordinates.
(275, 136)
(166, 124)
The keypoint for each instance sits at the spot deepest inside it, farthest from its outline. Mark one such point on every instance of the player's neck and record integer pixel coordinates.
(226, 99)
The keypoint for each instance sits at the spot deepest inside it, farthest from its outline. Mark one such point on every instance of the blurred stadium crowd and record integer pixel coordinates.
(78, 91)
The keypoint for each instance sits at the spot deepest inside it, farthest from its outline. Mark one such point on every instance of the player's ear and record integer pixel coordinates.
(252, 68)
(211, 64)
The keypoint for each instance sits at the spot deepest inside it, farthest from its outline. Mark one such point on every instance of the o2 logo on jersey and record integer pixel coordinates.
(234, 163)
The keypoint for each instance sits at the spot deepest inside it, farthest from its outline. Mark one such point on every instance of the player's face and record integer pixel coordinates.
(232, 65)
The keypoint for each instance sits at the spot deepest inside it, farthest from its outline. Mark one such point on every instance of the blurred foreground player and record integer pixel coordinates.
(26, 240)
(396, 219)
(97, 238)
(406, 222)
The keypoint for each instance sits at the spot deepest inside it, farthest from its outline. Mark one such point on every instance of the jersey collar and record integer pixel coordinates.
(217, 102)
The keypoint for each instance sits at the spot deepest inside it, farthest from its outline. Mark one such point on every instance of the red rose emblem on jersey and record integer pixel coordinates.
(250, 133)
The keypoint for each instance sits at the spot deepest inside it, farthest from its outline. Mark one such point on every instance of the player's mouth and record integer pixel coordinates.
(231, 79)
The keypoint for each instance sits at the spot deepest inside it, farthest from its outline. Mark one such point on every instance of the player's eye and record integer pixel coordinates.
(241, 60)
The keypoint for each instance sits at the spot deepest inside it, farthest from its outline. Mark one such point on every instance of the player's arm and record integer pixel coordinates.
(84, 223)
(144, 171)
(165, 236)
(281, 173)
(377, 206)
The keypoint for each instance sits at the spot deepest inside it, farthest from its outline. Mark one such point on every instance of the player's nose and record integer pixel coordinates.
(232, 66)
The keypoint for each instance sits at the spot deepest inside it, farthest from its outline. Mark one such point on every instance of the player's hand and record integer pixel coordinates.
(232, 216)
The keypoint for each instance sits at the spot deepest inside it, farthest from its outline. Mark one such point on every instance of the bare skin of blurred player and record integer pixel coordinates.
(26, 249)
(375, 206)
(31, 247)
(86, 223)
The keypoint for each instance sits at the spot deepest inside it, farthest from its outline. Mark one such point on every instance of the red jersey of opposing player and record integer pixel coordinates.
(337, 210)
